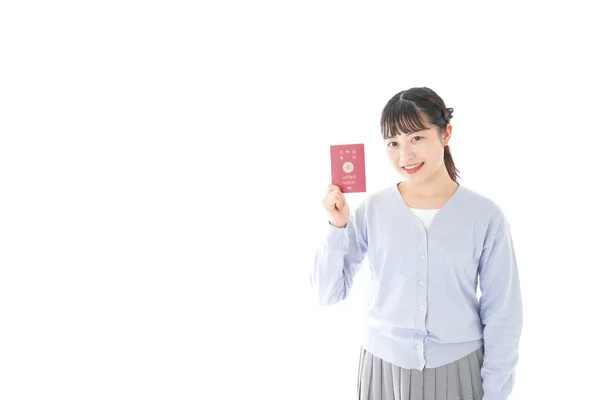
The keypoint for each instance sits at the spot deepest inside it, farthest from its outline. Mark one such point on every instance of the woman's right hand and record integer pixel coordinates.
(336, 206)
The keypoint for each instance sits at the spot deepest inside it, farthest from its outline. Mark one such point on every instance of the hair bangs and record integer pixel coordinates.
(402, 116)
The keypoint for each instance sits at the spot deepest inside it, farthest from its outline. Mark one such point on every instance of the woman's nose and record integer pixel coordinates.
(406, 153)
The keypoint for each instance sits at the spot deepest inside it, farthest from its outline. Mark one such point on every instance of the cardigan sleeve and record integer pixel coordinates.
(500, 311)
(338, 259)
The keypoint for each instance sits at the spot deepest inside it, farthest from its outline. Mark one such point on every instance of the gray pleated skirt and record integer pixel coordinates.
(458, 380)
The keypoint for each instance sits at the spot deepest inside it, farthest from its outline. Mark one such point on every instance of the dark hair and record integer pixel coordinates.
(404, 113)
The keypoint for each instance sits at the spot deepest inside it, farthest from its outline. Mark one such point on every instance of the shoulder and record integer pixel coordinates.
(383, 195)
(488, 211)
(374, 205)
(377, 200)
(482, 203)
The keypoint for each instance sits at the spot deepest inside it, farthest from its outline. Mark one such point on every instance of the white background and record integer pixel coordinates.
(162, 166)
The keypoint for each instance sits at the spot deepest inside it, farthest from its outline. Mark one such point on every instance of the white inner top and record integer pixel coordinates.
(425, 215)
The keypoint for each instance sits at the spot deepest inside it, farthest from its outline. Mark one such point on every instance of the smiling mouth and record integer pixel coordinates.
(412, 167)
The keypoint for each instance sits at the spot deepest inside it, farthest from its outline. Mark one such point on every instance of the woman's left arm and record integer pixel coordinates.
(500, 311)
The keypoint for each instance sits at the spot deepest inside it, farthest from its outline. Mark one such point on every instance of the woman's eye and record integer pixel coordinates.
(417, 138)
(392, 144)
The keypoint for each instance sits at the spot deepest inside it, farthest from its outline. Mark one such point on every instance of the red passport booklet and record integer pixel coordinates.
(348, 167)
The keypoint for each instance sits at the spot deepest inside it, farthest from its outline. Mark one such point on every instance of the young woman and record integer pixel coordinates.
(429, 242)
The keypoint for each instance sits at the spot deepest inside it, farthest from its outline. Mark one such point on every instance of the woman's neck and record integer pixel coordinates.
(438, 185)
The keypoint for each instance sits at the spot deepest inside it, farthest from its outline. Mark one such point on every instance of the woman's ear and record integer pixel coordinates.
(447, 135)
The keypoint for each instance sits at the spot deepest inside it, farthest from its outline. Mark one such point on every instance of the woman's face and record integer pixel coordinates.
(420, 155)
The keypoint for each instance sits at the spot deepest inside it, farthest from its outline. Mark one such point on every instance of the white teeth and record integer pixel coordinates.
(413, 166)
